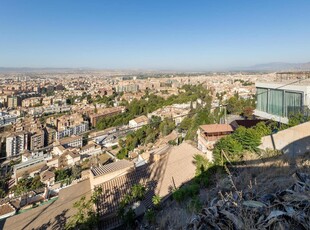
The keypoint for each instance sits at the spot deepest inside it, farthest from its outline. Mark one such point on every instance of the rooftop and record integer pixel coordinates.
(175, 169)
(216, 128)
(141, 119)
(52, 215)
(67, 140)
(6, 208)
(47, 175)
(113, 167)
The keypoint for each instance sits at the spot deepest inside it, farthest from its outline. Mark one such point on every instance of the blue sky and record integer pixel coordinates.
(153, 34)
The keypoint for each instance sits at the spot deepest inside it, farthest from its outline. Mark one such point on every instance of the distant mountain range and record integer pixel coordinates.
(280, 66)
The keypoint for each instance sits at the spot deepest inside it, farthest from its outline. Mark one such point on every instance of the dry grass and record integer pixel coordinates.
(254, 177)
(173, 216)
(270, 174)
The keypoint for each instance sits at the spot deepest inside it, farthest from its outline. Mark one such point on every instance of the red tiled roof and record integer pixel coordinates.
(216, 128)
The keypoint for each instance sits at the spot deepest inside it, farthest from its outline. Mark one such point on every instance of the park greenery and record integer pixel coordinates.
(68, 174)
(27, 184)
(144, 135)
(3, 187)
(150, 102)
(248, 139)
(197, 117)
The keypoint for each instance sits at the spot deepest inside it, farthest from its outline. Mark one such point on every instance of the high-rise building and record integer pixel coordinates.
(14, 101)
(16, 143)
(36, 140)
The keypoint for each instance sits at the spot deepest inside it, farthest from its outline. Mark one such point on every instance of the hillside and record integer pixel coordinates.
(271, 192)
(280, 66)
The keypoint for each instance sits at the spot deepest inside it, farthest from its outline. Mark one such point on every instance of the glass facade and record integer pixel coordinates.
(293, 103)
(278, 102)
(262, 99)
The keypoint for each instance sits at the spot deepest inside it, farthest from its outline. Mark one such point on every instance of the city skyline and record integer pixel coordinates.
(178, 35)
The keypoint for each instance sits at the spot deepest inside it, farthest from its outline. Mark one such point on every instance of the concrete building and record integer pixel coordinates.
(7, 119)
(50, 135)
(69, 125)
(36, 140)
(278, 100)
(127, 88)
(32, 101)
(28, 168)
(94, 118)
(73, 141)
(14, 101)
(99, 175)
(208, 135)
(16, 143)
(48, 178)
(138, 122)
(72, 130)
(90, 150)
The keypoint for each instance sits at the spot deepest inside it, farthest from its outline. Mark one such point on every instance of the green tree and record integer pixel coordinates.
(138, 191)
(232, 148)
(62, 174)
(248, 138)
(167, 126)
(262, 129)
(85, 217)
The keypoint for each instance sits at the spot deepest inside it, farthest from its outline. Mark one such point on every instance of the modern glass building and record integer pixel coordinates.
(278, 102)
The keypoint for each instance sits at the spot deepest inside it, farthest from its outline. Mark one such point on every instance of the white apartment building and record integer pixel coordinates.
(7, 119)
(138, 122)
(73, 130)
(16, 144)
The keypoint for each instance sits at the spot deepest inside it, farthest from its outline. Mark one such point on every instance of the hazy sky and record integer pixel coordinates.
(156, 34)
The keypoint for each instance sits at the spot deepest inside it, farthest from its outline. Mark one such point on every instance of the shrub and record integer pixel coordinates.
(156, 200)
(194, 205)
(190, 190)
(150, 215)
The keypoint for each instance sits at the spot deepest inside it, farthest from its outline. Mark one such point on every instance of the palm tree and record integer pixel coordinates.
(156, 200)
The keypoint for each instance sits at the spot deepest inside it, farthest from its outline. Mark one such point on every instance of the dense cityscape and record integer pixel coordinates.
(154, 115)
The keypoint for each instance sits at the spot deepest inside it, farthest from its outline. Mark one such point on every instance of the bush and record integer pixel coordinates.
(156, 200)
(150, 215)
(230, 146)
(248, 138)
(190, 190)
(195, 205)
